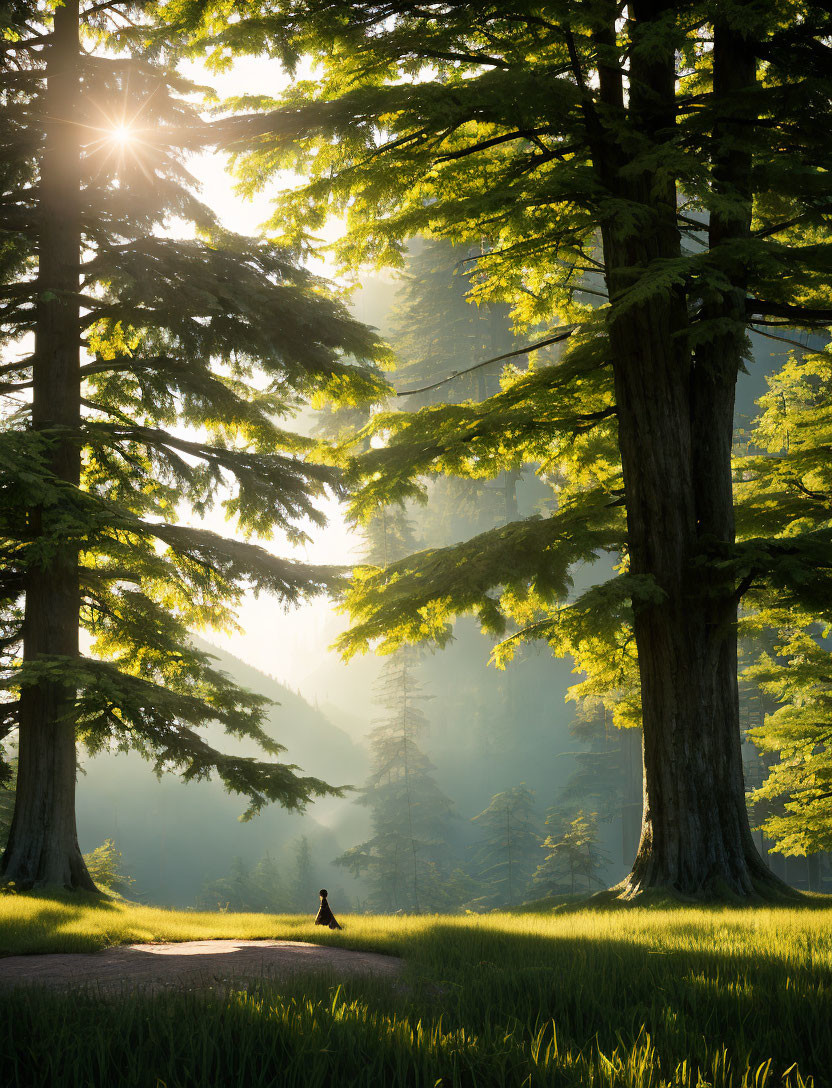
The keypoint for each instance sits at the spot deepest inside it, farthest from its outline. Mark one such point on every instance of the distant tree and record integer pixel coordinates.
(572, 853)
(439, 327)
(607, 774)
(261, 889)
(405, 862)
(387, 536)
(159, 371)
(508, 850)
(104, 864)
(305, 886)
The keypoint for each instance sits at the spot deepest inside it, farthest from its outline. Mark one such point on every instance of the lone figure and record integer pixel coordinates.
(325, 916)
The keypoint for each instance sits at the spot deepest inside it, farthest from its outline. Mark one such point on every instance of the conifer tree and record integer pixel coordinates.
(607, 773)
(572, 852)
(304, 879)
(105, 864)
(260, 888)
(508, 850)
(6, 800)
(157, 374)
(651, 183)
(406, 862)
(439, 327)
(785, 487)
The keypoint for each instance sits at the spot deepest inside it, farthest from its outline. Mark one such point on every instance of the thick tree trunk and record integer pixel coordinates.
(675, 417)
(43, 846)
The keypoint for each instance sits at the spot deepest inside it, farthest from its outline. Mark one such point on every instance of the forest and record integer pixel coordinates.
(416, 504)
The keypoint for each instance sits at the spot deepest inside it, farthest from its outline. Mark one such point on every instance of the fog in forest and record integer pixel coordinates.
(492, 752)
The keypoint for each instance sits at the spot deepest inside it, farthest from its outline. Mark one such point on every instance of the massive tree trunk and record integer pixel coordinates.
(43, 846)
(675, 417)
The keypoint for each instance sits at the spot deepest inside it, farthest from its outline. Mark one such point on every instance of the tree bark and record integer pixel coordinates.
(43, 845)
(675, 417)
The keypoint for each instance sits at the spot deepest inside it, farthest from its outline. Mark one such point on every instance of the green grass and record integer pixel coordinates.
(641, 998)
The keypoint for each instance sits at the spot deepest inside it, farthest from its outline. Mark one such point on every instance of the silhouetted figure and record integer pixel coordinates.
(325, 915)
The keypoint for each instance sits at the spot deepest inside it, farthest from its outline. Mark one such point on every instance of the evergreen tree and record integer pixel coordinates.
(9, 773)
(508, 850)
(305, 884)
(439, 328)
(573, 853)
(607, 775)
(104, 864)
(785, 485)
(651, 186)
(159, 371)
(260, 889)
(406, 860)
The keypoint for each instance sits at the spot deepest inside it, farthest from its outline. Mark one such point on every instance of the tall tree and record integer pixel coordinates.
(509, 847)
(407, 856)
(159, 371)
(669, 164)
(607, 774)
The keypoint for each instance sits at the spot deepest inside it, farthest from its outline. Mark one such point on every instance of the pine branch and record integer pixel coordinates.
(558, 338)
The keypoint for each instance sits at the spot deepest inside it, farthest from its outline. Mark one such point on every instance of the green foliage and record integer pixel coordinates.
(784, 487)
(509, 840)
(496, 129)
(195, 349)
(270, 885)
(489, 127)
(104, 864)
(573, 851)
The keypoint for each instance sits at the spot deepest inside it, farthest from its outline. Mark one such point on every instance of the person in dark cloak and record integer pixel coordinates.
(325, 916)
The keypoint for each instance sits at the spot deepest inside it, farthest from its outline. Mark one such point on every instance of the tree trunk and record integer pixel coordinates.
(43, 845)
(675, 417)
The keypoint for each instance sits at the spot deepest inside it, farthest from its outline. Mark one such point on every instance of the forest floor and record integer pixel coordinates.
(188, 965)
(636, 998)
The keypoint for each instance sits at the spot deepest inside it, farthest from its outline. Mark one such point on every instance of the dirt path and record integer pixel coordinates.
(189, 964)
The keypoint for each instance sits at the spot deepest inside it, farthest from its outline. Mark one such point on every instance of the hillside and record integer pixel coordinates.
(175, 836)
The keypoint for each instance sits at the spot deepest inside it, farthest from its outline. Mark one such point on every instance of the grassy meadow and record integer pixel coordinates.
(642, 998)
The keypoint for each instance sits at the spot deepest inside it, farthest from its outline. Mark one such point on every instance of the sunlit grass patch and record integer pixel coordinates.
(682, 998)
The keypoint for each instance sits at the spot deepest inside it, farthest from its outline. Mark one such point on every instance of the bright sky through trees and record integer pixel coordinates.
(286, 645)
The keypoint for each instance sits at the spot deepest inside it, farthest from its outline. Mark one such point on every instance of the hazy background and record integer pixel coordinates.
(488, 731)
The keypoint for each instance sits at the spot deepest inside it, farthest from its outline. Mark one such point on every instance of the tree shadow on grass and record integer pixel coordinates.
(694, 1002)
(32, 922)
(486, 1002)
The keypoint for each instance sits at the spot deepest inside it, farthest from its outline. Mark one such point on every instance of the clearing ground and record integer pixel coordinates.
(189, 965)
